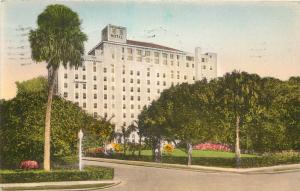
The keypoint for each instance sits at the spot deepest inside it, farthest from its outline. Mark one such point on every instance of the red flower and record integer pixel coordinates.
(29, 164)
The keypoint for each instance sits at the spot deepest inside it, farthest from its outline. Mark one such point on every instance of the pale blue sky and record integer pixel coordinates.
(256, 37)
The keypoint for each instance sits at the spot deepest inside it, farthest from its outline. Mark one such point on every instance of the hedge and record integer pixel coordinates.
(246, 162)
(89, 173)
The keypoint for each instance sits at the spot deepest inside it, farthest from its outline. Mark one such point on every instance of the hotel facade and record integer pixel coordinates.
(120, 76)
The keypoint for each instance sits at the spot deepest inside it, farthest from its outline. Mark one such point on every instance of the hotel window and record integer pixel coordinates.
(95, 96)
(164, 75)
(84, 86)
(105, 115)
(77, 103)
(185, 77)
(164, 83)
(95, 114)
(123, 49)
(149, 99)
(187, 64)
(132, 106)
(95, 86)
(131, 80)
(178, 76)
(138, 89)
(124, 98)
(105, 96)
(76, 76)
(129, 50)
(171, 56)
(131, 98)
(148, 82)
(76, 85)
(76, 95)
(203, 59)
(172, 62)
(193, 65)
(123, 80)
(148, 74)
(139, 98)
(104, 70)
(124, 89)
(105, 79)
(76, 68)
(94, 68)
(210, 68)
(139, 106)
(139, 52)
(124, 106)
(83, 77)
(147, 53)
(204, 67)
(132, 115)
(138, 73)
(131, 72)
(112, 79)
(138, 81)
(156, 54)
(139, 59)
(124, 115)
(158, 91)
(84, 105)
(193, 77)
(123, 72)
(65, 76)
(83, 68)
(131, 89)
(95, 105)
(65, 94)
(65, 85)
(148, 90)
(105, 87)
(112, 97)
(157, 83)
(164, 55)
(105, 106)
(113, 56)
(147, 60)
(95, 78)
(178, 57)
(112, 88)
(84, 95)
(129, 58)
(157, 74)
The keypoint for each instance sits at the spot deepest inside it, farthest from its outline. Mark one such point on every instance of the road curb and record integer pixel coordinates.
(67, 183)
(261, 170)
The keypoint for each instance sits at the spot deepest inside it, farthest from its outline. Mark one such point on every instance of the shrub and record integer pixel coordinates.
(89, 173)
(94, 151)
(212, 147)
(29, 164)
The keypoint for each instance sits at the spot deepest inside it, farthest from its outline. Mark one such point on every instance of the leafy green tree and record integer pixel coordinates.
(22, 124)
(58, 40)
(124, 135)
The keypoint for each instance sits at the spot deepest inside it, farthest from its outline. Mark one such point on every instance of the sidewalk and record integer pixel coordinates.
(263, 170)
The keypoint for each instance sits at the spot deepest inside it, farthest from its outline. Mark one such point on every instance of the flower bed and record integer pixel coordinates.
(212, 147)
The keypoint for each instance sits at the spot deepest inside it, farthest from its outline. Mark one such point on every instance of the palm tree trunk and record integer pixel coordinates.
(190, 149)
(237, 142)
(48, 120)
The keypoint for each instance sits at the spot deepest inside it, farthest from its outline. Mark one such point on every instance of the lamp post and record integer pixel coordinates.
(80, 135)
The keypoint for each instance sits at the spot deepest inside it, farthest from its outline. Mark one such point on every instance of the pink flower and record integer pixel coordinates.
(29, 164)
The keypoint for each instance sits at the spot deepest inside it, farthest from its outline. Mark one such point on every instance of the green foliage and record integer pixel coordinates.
(22, 127)
(58, 38)
(268, 108)
(89, 173)
(34, 85)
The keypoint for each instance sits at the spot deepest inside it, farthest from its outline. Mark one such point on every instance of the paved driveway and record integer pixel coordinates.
(137, 178)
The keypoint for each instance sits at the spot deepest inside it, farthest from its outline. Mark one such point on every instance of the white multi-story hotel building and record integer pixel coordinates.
(120, 76)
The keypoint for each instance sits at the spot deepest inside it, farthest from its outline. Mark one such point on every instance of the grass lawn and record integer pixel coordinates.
(197, 153)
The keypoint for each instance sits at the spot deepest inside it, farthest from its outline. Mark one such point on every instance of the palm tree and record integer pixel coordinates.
(57, 40)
